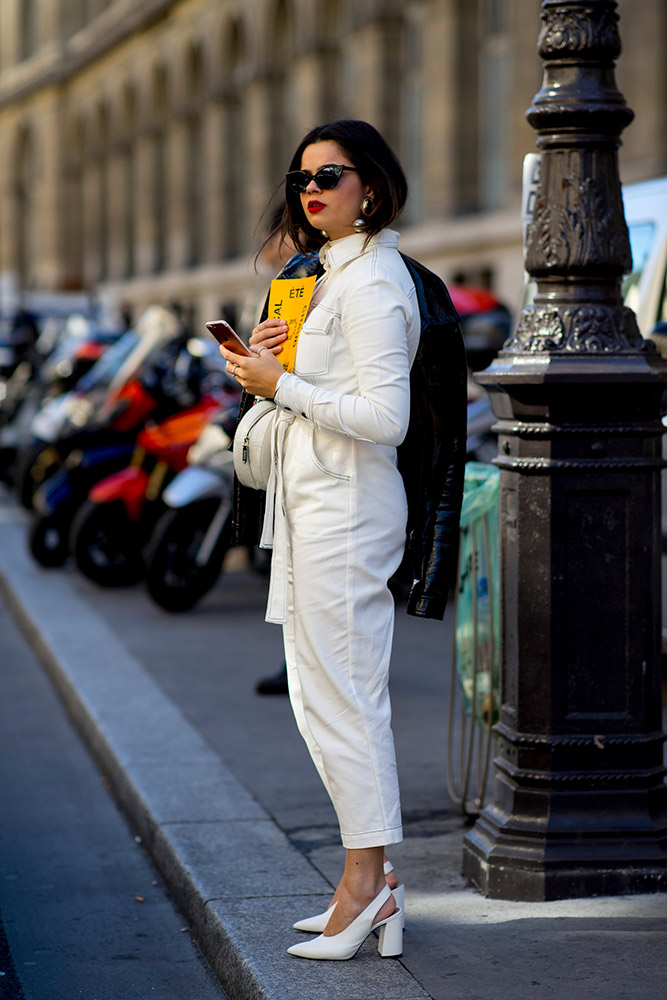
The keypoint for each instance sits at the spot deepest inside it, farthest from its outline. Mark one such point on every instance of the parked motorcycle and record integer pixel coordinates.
(482, 440)
(86, 434)
(95, 402)
(486, 323)
(172, 375)
(114, 524)
(65, 351)
(18, 336)
(187, 547)
(98, 454)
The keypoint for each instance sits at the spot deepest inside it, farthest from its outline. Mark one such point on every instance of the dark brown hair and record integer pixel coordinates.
(378, 169)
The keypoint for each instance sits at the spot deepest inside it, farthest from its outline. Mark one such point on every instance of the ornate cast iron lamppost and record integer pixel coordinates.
(579, 804)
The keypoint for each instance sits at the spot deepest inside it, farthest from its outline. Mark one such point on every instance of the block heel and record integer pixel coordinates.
(390, 943)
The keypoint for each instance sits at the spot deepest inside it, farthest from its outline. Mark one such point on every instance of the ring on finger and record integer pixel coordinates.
(234, 367)
(262, 348)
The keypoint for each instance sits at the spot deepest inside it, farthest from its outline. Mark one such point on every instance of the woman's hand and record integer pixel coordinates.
(271, 333)
(258, 374)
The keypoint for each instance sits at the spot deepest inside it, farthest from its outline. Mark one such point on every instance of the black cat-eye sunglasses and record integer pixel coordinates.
(326, 177)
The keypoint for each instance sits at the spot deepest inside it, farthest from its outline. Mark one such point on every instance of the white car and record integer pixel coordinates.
(645, 289)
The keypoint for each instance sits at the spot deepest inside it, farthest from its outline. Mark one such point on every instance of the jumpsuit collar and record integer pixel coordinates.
(335, 253)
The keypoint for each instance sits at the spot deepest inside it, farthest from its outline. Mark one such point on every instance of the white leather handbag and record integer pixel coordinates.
(252, 445)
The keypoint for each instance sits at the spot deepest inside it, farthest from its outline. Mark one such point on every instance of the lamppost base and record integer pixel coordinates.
(580, 801)
(504, 865)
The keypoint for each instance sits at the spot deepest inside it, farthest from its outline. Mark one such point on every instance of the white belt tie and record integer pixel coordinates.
(274, 528)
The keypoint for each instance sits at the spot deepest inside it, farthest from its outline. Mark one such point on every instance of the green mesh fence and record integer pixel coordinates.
(477, 618)
(473, 698)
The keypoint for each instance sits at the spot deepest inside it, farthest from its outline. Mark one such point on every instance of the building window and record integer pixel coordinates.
(412, 114)
(24, 256)
(331, 61)
(494, 93)
(72, 212)
(234, 173)
(158, 207)
(280, 122)
(494, 14)
(102, 170)
(129, 201)
(195, 187)
(28, 28)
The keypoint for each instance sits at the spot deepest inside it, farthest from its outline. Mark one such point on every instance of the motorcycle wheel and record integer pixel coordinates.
(105, 545)
(174, 579)
(48, 542)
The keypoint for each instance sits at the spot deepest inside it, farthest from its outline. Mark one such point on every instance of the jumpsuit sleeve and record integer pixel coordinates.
(375, 320)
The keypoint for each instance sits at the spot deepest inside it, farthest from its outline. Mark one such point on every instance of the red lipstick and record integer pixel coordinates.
(315, 206)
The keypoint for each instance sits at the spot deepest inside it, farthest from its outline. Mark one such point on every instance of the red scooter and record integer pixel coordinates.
(113, 525)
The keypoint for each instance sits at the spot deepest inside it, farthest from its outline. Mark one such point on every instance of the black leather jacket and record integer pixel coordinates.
(431, 459)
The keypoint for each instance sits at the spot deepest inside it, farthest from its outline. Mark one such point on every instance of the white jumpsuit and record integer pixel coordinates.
(336, 517)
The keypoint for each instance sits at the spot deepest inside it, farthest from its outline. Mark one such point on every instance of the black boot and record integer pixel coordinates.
(275, 684)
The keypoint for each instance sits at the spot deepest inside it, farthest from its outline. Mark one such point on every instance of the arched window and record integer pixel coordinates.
(494, 102)
(24, 173)
(102, 157)
(331, 61)
(411, 98)
(234, 152)
(28, 28)
(129, 205)
(466, 162)
(195, 187)
(72, 208)
(72, 17)
(158, 207)
(281, 123)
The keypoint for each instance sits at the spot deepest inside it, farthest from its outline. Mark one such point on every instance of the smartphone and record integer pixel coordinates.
(224, 334)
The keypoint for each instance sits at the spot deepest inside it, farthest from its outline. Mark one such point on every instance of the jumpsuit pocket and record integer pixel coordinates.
(331, 453)
(312, 352)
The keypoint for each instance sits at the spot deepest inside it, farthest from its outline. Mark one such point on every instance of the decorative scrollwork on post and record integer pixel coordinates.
(578, 229)
(572, 31)
(578, 330)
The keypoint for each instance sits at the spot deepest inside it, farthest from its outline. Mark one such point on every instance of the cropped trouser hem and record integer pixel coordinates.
(380, 838)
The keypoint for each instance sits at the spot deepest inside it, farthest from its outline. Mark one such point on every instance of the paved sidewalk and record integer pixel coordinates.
(242, 872)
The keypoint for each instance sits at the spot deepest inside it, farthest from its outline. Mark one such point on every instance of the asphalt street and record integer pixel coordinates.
(82, 911)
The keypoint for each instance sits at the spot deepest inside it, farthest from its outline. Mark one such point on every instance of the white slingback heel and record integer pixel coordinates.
(398, 892)
(316, 924)
(339, 947)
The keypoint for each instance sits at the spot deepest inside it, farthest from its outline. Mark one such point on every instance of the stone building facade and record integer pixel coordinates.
(143, 139)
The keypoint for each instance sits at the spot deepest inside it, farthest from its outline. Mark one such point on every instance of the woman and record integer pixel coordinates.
(336, 506)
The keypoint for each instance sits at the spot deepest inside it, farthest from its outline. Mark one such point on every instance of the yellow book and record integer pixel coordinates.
(289, 299)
